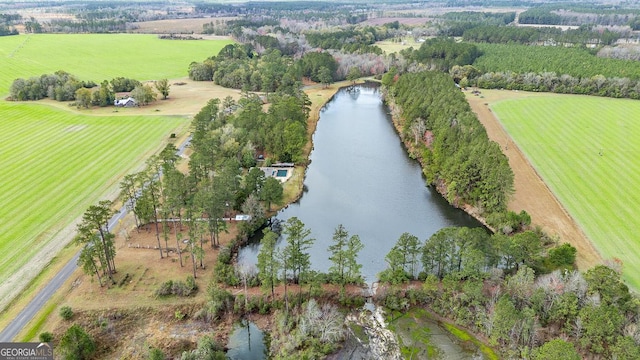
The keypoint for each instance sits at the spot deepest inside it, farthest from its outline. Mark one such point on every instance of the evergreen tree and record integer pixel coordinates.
(268, 262)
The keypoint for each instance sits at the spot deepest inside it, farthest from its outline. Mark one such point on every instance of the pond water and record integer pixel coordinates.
(246, 342)
(361, 177)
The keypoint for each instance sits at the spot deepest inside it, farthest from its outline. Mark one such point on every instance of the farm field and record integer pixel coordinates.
(100, 57)
(55, 164)
(585, 149)
(57, 160)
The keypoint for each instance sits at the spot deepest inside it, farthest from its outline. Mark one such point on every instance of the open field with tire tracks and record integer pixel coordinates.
(99, 57)
(585, 150)
(55, 164)
(57, 160)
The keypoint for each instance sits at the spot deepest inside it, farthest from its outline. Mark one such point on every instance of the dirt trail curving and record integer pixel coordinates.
(531, 193)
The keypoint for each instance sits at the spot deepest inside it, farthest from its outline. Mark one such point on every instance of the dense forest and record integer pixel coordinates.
(534, 36)
(577, 15)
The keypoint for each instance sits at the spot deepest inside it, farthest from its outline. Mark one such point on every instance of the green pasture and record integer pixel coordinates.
(55, 164)
(100, 57)
(587, 150)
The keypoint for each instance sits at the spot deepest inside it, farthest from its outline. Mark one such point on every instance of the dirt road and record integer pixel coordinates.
(531, 193)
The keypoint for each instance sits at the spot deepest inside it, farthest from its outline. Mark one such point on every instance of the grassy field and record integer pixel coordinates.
(56, 160)
(389, 46)
(55, 164)
(586, 150)
(100, 57)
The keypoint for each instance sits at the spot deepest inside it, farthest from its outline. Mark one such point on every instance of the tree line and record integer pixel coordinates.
(472, 252)
(574, 61)
(525, 313)
(442, 53)
(236, 66)
(456, 23)
(446, 136)
(553, 69)
(62, 86)
(351, 39)
(85, 26)
(6, 24)
(578, 14)
(546, 35)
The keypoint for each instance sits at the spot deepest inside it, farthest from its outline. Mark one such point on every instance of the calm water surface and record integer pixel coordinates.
(361, 177)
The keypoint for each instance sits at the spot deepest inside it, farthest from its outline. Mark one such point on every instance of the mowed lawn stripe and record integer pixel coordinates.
(80, 158)
(586, 150)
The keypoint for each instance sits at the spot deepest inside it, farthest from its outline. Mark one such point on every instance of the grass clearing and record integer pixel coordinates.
(585, 149)
(389, 46)
(55, 164)
(100, 57)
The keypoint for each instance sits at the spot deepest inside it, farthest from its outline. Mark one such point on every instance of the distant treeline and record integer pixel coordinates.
(350, 40)
(236, 67)
(531, 68)
(574, 61)
(442, 53)
(456, 23)
(546, 35)
(239, 67)
(564, 84)
(86, 26)
(577, 15)
(6, 22)
(234, 27)
(300, 10)
(4, 31)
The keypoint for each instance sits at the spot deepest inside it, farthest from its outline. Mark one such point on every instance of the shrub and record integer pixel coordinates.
(191, 283)
(165, 288)
(76, 343)
(46, 337)
(563, 255)
(155, 354)
(66, 313)
(178, 288)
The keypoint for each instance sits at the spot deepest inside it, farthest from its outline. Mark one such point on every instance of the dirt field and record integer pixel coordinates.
(531, 193)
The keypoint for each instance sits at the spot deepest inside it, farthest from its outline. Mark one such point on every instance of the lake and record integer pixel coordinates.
(360, 176)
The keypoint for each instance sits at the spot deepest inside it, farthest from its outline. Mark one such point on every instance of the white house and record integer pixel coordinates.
(126, 102)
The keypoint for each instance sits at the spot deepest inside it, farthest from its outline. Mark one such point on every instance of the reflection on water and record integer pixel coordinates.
(360, 176)
(247, 342)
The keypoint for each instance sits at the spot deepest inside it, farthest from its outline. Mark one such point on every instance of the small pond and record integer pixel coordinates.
(247, 342)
